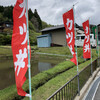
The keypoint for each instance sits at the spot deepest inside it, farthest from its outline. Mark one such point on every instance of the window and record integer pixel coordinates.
(82, 37)
(90, 36)
(78, 37)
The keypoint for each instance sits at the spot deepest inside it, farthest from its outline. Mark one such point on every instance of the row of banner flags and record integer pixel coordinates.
(21, 47)
(68, 19)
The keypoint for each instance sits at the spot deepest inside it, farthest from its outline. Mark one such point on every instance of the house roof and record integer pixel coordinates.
(45, 35)
(78, 28)
(57, 27)
(6, 22)
(53, 28)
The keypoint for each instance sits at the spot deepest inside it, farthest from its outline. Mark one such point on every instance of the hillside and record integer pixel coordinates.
(6, 25)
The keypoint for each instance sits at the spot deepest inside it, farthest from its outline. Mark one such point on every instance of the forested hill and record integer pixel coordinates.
(35, 25)
(6, 14)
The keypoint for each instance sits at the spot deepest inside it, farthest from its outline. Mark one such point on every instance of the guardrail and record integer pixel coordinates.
(71, 88)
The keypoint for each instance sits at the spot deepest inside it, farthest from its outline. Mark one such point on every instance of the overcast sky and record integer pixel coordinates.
(51, 11)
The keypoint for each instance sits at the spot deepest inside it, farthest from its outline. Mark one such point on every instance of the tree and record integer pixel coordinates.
(38, 19)
(31, 14)
(1, 39)
(8, 39)
(45, 25)
(1, 17)
(8, 12)
(1, 9)
(31, 26)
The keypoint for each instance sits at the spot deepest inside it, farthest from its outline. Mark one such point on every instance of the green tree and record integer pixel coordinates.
(31, 14)
(45, 25)
(8, 39)
(1, 39)
(1, 9)
(8, 12)
(38, 19)
(1, 17)
(31, 26)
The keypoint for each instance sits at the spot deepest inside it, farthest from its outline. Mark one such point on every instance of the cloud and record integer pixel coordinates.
(51, 11)
(7, 2)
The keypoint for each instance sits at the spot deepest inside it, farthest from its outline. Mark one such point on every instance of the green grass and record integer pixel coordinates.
(38, 80)
(55, 50)
(43, 92)
(63, 51)
(45, 77)
(5, 51)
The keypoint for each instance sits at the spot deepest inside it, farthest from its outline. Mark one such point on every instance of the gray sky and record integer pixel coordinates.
(51, 11)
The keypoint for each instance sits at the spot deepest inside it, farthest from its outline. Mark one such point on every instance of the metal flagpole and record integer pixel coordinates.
(28, 46)
(76, 54)
(97, 44)
(91, 50)
(91, 59)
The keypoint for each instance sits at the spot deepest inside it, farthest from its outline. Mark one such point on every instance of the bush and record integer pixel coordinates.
(7, 31)
(1, 39)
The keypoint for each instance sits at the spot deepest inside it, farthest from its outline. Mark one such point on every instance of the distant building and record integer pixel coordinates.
(57, 35)
(6, 25)
(44, 40)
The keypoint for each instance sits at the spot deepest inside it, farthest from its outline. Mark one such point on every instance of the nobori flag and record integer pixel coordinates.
(19, 45)
(94, 29)
(86, 45)
(95, 32)
(68, 19)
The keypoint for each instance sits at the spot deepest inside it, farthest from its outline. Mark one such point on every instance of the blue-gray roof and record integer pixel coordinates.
(58, 27)
(53, 28)
(45, 35)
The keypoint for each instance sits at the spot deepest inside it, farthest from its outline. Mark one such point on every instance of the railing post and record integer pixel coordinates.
(91, 67)
(98, 62)
(78, 84)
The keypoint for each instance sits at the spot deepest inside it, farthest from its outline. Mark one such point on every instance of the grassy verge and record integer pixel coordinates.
(10, 93)
(54, 84)
(37, 81)
(63, 51)
(5, 51)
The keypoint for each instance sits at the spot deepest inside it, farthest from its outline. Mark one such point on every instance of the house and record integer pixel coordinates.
(44, 40)
(6, 26)
(57, 36)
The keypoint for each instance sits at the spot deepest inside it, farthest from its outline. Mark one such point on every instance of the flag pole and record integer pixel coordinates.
(97, 44)
(28, 47)
(76, 52)
(91, 49)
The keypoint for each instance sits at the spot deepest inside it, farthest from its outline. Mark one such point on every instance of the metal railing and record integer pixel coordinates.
(70, 89)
